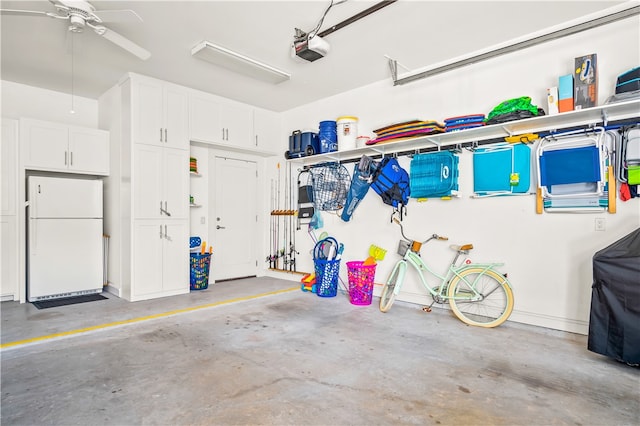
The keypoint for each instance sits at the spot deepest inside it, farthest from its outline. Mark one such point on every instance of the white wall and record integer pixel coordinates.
(19, 100)
(548, 257)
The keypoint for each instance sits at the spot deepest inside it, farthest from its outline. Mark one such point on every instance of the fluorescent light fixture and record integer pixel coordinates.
(234, 61)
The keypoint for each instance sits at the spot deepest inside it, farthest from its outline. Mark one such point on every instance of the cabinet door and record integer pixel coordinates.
(266, 129)
(147, 112)
(237, 122)
(204, 118)
(8, 166)
(8, 258)
(44, 145)
(89, 151)
(147, 181)
(176, 102)
(175, 267)
(175, 172)
(148, 238)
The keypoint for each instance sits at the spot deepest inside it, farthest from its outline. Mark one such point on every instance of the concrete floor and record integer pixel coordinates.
(260, 351)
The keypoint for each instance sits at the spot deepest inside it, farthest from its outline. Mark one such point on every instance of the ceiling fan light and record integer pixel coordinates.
(239, 63)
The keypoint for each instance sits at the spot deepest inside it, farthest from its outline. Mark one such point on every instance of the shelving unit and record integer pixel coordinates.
(602, 114)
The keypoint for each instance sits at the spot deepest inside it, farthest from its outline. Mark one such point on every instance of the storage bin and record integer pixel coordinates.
(361, 279)
(327, 277)
(347, 132)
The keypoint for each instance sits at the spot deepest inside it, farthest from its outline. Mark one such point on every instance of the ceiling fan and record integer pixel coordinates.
(81, 14)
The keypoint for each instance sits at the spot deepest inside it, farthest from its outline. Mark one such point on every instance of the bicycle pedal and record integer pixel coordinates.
(426, 309)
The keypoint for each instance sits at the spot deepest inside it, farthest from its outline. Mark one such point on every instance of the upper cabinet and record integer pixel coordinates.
(59, 147)
(266, 130)
(237, 124)
(227, 124)
(204, 118)
(159, 113)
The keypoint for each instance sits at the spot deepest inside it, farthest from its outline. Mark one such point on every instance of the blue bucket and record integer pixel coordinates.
(328, 136)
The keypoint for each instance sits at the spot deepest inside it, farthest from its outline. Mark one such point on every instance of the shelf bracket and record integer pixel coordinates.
(605, 117)
(507, 131)
(436, 143)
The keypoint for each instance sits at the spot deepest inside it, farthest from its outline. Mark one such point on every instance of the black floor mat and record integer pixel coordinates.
(44, 304)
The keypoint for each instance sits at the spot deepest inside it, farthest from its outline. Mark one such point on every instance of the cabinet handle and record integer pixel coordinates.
(161, 134)
(166, 236)
(223, 133)
(227, 134)
(164, 210)
(166, 139)
(65, 158)
(160, 231)
(256, 140)
(71, 158)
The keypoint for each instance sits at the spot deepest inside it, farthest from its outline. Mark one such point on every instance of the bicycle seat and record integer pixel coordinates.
(465, 247)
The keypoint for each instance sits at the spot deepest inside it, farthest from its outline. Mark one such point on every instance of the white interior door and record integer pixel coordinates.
(235, 220)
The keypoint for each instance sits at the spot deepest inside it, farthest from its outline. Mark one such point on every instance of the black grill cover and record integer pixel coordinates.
(614, 325)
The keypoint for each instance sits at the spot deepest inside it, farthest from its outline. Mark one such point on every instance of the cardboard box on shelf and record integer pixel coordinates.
(586, 82)
(565, 93)
(552, 100)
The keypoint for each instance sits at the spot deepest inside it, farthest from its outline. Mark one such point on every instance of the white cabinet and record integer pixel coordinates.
(204, 118)
(237, 124)
(161, 182)
(266, 130)
(159, 257)
(148, 220)
(9, 289)
(217, 121)
(159, 113)
(59, 147)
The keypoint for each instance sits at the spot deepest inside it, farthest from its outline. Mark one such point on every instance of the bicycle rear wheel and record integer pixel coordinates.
(388, 295)
(495, 305)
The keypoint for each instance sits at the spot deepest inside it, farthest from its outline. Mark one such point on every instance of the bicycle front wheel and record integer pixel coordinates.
(388, 295)
(493, 305)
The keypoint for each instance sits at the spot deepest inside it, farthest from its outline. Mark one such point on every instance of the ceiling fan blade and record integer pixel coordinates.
(26, 12)
(123, 42)
(125, 15)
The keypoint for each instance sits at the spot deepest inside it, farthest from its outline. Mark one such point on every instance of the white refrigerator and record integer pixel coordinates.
(65, 237)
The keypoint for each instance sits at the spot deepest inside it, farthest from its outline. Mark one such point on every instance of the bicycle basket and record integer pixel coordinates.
(330, 182)
(403, 246)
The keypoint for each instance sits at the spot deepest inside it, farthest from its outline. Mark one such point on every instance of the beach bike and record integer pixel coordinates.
(477, 293)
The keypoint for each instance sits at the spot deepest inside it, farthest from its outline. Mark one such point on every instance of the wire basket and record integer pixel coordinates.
(330, 182)
(327, 277)
(361, 279)
(200, 270)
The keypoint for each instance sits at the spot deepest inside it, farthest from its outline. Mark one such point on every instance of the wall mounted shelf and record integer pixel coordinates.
(602, 114)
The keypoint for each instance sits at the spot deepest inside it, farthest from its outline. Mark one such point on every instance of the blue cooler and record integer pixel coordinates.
(302, 144)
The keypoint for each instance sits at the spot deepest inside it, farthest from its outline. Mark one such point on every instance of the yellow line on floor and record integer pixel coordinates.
(140, 319)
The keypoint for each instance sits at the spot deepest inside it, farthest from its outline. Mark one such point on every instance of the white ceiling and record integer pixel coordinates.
(415, 33)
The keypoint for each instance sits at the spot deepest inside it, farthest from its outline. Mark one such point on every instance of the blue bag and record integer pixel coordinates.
(391, 182)
(363, 173)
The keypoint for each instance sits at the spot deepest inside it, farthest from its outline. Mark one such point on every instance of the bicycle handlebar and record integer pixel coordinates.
(432, 237)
